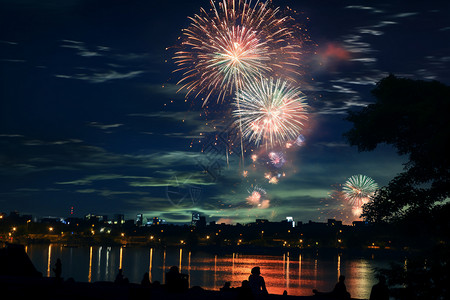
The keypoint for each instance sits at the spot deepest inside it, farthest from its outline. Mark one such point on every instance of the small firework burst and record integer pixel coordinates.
(359, 189)
(273, 180)
(277, 159)
(300, 140)
(257, 197)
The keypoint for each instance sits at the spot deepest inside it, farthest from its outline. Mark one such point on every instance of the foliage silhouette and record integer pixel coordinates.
(412, 116)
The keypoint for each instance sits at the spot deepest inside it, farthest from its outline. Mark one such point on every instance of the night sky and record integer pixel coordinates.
(90, 116)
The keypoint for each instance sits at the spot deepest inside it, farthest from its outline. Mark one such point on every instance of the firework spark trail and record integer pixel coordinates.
(271, 112)
(358, 190)
(236, 42)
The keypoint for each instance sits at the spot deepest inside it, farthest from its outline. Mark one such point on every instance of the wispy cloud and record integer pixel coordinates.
(13, 60)
(104, 126)
(82, 48)
(404, 15)
(102, 77)
(362, 7)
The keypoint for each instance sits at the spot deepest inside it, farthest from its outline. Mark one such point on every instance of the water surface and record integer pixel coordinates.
(296, 273)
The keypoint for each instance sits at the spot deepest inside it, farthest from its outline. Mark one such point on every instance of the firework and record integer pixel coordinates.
(257, 197)
(357, 211)
(270, 111)
(277, 159)
(300, 140)
(358, 190)
(235, 42)
(273, 180)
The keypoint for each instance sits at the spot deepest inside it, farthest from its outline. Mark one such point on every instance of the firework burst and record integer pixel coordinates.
(235, 42)
(277, 159)
(257, 197)
(270, 111)
(358, 190)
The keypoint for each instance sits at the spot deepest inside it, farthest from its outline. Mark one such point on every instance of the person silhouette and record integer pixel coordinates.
(145, 280)
(176, 281)
(120, 279)
(226, 287)
(257, 283)
(380, 290)
(339, 291)
(244, 291)
(58, 269)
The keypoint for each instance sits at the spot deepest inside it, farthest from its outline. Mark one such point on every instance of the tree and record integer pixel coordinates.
(413, 116)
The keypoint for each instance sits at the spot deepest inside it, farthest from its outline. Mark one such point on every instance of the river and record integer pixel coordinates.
(297, 273)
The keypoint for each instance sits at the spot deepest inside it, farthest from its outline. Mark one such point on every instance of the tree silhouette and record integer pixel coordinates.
(413, 116)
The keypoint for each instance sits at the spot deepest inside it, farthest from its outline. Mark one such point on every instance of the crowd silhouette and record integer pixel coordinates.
(339, 292)
(252, 289)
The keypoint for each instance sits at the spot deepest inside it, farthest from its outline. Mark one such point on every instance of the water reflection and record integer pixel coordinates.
(49, 255)
(150, 265)
(90, 265)
(297, 274)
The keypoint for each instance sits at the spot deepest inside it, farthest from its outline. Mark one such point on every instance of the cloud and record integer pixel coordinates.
(104, 126)
(108, 193)
(404, 15)
(11, 135)
(102, 77)
(361, 7)
(13, 60)
(82, 48)
(8, 42)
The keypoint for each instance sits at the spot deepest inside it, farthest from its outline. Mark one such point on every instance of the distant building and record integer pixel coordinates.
(195, 218)
(202, 222)
(94, 218)
(334, 223)
(51, 220)
(198, 220)
(119, 219)
(15, 217)
(360, 223)
(139, 219)
(290, 220)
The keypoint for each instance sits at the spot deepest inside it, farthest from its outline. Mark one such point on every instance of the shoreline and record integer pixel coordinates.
(242, 249)
(20, 279)
(50, 288)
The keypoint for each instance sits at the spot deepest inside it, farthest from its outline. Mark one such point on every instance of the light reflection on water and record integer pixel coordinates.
(296, 273)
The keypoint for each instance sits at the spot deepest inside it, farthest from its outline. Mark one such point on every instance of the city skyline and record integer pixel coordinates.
(90, 117)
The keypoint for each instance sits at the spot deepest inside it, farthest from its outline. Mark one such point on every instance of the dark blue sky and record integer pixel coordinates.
(90, 117)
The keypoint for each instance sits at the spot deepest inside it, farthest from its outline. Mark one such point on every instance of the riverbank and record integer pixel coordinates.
(22, 278)
(19, 287)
